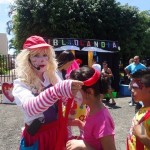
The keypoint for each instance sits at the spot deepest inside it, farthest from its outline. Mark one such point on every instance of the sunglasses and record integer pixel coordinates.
(136, 84)
(104, 64)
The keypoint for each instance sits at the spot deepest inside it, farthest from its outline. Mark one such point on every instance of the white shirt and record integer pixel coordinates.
(59, 73)
(21, 92)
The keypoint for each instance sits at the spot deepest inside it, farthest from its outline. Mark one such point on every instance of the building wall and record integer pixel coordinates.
(3, 44)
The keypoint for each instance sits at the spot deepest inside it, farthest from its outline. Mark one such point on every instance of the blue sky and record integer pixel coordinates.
(4, 8)
(141, 4)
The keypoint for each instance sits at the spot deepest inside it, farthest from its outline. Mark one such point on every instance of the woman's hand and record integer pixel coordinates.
(76, 86)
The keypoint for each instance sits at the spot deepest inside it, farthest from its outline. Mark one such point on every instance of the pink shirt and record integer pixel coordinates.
(97, 126)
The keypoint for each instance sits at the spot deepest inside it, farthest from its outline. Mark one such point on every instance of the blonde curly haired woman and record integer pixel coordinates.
(37, 93)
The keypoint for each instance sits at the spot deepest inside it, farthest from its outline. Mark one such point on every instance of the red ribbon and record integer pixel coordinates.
(93, 79)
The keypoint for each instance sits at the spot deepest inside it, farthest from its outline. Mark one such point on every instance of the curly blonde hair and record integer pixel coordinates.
(26, 72)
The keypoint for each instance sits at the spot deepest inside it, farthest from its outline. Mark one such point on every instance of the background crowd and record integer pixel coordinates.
(57, 96)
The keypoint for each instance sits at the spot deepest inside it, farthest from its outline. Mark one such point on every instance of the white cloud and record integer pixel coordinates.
(6, 1)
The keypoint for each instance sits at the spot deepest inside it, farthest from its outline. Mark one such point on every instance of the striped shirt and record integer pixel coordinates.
(33, 107)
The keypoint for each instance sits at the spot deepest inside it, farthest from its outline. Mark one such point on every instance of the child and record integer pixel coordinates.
(36, 92)
(99, 126)
(65, 60)
(139, 135)
(75, 65)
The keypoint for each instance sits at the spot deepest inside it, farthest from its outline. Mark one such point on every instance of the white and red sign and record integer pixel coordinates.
(7, 96)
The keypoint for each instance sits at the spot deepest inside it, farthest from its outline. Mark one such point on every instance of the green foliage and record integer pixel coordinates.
(146, 35)
(3, 65)
(97, 19)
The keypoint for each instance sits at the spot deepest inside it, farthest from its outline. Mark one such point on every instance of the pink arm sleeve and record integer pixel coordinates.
(73, 66)
(47, 98)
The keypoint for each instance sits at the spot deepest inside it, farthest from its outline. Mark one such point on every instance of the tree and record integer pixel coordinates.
(146, 35)
(97, 19)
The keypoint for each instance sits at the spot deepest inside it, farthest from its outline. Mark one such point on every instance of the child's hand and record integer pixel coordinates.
(140, 132)
(75, 145)
(78, 145)
(137, 128)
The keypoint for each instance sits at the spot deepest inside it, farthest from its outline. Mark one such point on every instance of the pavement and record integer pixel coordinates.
(11, 122)
(122, 114)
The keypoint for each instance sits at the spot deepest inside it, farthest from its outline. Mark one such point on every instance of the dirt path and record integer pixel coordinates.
(11, 122)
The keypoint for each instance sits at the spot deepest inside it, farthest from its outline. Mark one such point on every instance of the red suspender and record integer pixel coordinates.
(139, 145)
(63, 133)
